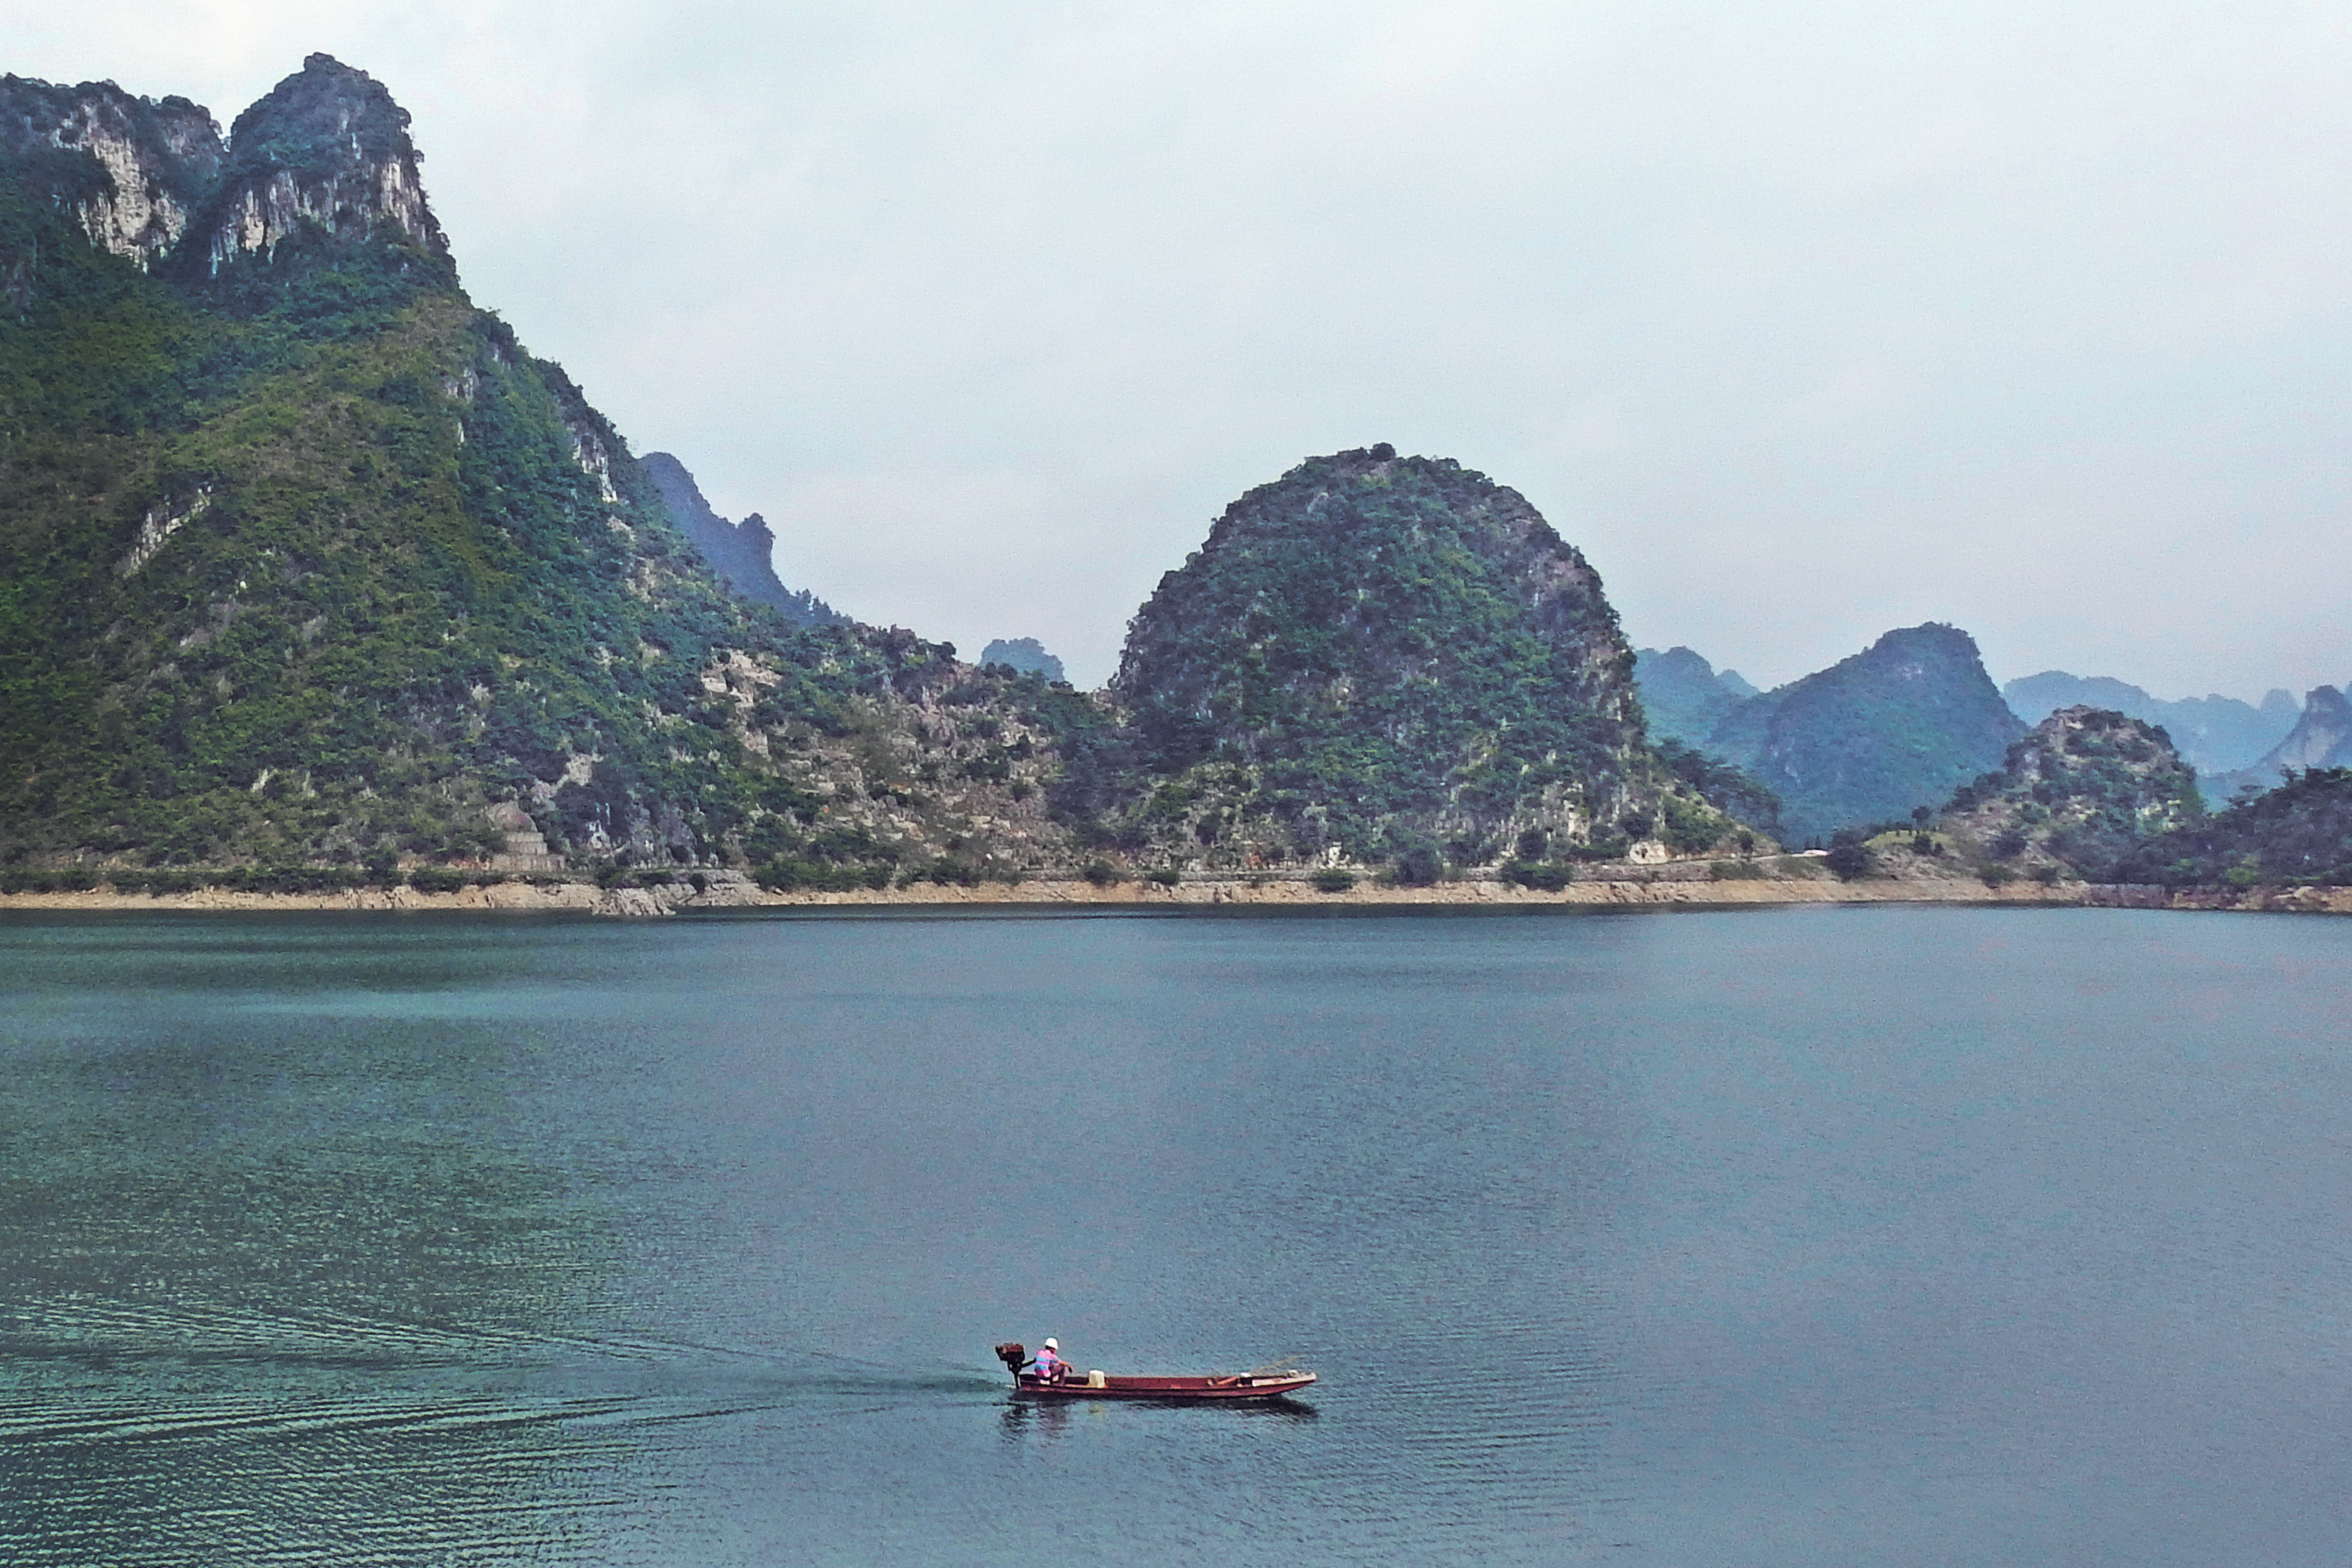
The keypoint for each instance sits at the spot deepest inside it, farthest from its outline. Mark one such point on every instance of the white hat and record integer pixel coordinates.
(1051, 1344)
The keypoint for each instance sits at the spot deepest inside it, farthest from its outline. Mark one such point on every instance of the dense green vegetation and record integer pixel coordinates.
(1719, 784)
(361, 623)
(1394, 656)
(306, 564)
(2298, 834)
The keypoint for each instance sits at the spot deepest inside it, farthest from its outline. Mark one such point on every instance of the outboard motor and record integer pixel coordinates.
(1012, 1356)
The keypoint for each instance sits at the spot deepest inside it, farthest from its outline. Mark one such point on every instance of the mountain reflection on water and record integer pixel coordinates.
(1895, 1236)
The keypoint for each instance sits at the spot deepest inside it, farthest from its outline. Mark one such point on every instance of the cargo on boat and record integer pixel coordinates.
(1259, 1385)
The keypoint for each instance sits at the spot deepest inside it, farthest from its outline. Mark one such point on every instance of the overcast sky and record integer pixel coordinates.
(1803, 321)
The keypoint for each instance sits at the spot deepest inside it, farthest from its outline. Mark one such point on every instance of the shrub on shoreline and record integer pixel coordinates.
(69, 879)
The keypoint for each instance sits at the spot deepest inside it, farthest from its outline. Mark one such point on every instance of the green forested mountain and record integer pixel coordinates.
(1388, 657)
(311, 575)
(2105, 797)
(1897, 726)
(306, 564)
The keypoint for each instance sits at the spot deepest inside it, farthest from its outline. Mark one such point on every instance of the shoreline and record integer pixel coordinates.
(1206, 892)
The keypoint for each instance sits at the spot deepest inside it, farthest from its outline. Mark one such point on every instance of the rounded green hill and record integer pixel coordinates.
(1378, 653)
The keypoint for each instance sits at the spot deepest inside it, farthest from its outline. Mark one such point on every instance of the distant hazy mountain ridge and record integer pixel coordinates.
(2321, 737)
(2214, 734)
(742, 553)
(1025, 654)
(1684, 695)
(1897, 726)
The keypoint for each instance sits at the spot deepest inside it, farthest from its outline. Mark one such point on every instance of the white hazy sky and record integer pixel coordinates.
(1802, 320)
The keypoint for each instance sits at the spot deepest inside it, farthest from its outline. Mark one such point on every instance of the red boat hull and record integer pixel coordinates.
(1236, 1386)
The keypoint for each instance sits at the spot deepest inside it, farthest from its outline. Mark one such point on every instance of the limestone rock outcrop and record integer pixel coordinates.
(325, 156)
(151, 162)
(326, 150)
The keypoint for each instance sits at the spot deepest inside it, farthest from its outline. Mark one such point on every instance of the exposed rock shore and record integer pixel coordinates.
(1689, 892)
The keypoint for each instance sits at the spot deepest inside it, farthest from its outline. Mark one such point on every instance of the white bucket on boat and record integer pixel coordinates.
(1094, 1380)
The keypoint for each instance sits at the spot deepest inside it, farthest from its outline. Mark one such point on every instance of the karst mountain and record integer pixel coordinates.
(309, 564)
(1378, 656)
(315, 575)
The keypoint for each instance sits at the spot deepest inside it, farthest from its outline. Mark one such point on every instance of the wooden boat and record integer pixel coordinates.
(1122, 1386)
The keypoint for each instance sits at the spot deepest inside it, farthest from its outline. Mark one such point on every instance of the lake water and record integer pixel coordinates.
(1867, 1236)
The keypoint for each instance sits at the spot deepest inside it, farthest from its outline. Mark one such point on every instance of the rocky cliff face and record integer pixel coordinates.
(148, 164)
(1897, 726)
(326, 156)
(2082, 791)
(1375, 653)
(325, 152)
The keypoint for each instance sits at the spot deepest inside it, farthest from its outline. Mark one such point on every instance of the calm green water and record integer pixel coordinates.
(1884, 1237)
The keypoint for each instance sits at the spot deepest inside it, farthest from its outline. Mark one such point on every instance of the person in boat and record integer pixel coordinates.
(1049, 1365)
